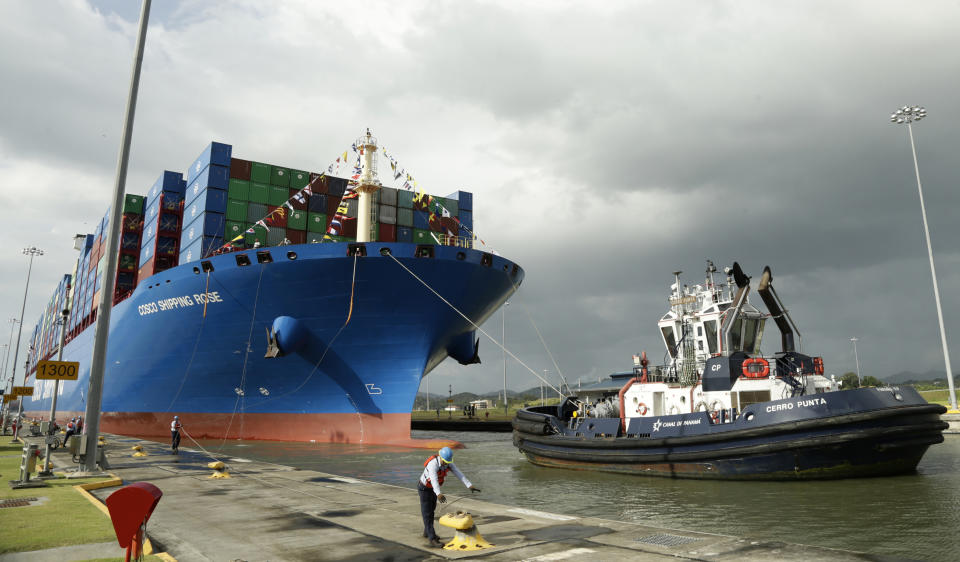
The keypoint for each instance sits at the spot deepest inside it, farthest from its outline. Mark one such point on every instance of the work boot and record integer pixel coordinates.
(436, 542)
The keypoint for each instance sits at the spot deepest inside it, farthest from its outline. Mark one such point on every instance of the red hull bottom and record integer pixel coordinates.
(356, 429)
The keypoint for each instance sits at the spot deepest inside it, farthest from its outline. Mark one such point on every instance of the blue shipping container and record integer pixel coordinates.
(421, 220)
(207, 224)
(317, 203)
(215, 153)
(465, 200)
(168, 181)
(209, 201)
(200, 248)
(146, 251)
(212, 177)
(404, 234)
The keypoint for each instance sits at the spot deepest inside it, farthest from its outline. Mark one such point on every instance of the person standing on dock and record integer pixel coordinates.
(435, 469)
(175, 427)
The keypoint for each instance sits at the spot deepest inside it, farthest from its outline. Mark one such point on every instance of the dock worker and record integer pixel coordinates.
(435, 469)
(175, 427)
(71, 429)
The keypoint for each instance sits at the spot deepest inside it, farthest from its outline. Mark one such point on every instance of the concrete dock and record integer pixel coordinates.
(273, 512)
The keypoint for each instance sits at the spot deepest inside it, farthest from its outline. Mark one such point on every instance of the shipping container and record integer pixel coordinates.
(133, 204)
(317, 204)
(259, 192)
(421, 220)
(260, 173)
(405, 199)
(466, 219)
(336, 186)
(255, 212)
(146, 270)
(296, 236)
(171, 182)
(207, 224)
(387, 232)
(240, 169)
(126, 262)
(297, 220)
(280, 176)
(388, 196)
(168, 223)
(132, 222)
(259, 235)
(299, 179)
(236, 210)
(239, 190)
(449, 225)
(464, 200)
(387, 214)
(314, 237)
(217, 154)
(404, 217)
(167, 246)
(213, 177)
(425, 237)
(319, 183)
(209, 201)
(348, 228)
(276, 216)
(278, 195)
(316, 222)
(199, 248)
(130, 242)
(233, 229)
(295, 202)
(276, 236)
(404, 234)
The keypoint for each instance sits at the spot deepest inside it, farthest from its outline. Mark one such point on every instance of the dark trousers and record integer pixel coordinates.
(428, 505)
(174, 439)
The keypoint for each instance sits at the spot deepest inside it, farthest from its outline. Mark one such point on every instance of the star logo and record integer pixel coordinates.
(656, 425)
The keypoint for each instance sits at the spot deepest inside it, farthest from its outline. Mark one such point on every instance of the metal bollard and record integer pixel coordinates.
(28, 464)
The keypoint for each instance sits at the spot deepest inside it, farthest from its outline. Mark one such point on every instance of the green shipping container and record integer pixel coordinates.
(280, 176)
(424, 237)
(260, 173)
(405, 199)
(299, 179)
(133, 204)
(259, 235)
(278, 195)
(259, 192)
(316, 222)
(232, 230)
(314, 237)
(297, 220)
(451, 205)
(236, 210)
(404, 217)
(239, 190)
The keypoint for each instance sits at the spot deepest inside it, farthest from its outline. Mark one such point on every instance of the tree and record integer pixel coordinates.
(872, 381)
(849, 380)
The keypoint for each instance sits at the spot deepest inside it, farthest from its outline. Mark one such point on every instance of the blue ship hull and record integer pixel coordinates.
(172, 353)
(852, 433)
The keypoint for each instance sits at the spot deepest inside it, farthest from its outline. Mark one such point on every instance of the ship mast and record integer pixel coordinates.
(368, 184)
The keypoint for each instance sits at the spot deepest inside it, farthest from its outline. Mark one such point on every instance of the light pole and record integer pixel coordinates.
(6, 359)
(31, 251)
(857, 359)
(909, 114)
(503, 338)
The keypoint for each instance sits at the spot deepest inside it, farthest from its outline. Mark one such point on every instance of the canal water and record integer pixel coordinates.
(916, 516)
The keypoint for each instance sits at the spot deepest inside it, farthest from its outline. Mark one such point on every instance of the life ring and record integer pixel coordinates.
(764, 371)
(818, 365)
(700, 407)
(642, 409)
(715, 416)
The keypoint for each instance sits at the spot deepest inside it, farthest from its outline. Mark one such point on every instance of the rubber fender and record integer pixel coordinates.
(290, 334)
(536, 428)
(532, 416)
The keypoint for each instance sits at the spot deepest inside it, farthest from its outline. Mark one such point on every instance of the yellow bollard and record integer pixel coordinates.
(138, 451)
(219, 470)
(467, 536)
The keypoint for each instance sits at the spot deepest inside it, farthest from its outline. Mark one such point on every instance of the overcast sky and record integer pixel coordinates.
(607, 144)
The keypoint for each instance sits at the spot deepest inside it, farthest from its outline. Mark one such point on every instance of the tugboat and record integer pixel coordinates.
(720, 409)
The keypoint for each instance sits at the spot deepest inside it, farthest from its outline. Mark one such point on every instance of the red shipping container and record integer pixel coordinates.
(296, 204)
(297, 236)
(278, 218)
(240, 169)
(332, 204)
(132, 222)
(318, 183)
(449, 225)
(435, 224)
(146, 270)
(349, 228)
(388, 233)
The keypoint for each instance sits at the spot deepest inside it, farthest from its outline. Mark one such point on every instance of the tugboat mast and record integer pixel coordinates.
(368, 185)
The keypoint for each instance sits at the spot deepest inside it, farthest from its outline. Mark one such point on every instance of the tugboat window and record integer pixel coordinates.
(710, 326)
(736, 335)
(749, 334)
(670, 340)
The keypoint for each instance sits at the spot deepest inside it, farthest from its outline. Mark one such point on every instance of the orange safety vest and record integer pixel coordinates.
(441, 472)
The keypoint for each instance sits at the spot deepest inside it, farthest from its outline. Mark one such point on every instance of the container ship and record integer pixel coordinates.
(257, 301)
